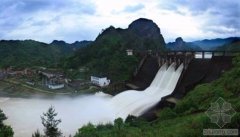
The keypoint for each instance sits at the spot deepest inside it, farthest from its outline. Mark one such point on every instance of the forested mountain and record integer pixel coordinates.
(213, 44)
(68, 49)
(107, 54)
(27, 53)
(233, 46)
(30, 53)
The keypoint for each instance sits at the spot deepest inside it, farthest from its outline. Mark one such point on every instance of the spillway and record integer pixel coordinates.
(133, 102)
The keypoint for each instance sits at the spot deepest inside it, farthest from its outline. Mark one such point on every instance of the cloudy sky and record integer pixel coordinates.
(75, 20)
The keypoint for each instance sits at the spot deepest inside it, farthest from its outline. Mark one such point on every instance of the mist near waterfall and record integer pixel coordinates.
(24, 114)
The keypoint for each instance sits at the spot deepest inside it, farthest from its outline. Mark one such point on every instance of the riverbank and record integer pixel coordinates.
(9, 89)
(15, 89)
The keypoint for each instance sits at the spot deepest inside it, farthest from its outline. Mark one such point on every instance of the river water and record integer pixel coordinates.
(24, 114)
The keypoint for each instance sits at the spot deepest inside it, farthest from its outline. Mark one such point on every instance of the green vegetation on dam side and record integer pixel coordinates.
(188, 118)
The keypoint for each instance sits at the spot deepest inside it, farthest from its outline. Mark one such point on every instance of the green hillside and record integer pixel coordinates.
(234, 46)
(106, 56)
(27, 53)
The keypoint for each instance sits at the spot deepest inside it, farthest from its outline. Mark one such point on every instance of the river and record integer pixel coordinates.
(24, 113)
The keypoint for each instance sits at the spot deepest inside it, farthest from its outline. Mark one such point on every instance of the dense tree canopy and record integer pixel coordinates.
(29, 53)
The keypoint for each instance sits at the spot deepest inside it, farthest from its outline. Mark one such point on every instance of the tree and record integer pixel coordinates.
(50, 123)
(88, 130)
(2, 118)
(37, 134)
(5, 131)
(118, 123)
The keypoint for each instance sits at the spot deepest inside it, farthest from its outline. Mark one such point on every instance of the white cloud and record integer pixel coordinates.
(72, 20)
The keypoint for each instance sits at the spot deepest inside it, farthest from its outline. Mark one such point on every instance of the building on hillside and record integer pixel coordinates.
(55, 86)
(30, 72)
(32, 83)
(102, 82)
(17, 72)
(129, 52)
(52, 79)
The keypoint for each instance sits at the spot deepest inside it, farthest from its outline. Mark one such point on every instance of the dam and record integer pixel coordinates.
(199, 67)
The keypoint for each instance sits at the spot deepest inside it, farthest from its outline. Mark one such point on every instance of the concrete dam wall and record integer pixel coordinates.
(196, 71)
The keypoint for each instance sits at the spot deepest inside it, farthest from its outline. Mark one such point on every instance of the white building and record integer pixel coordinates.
(129, 52)
(57, 86)
(102, 82)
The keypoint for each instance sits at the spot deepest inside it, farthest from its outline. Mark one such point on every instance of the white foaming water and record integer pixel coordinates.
(24, 114)
(3, 99)
(137, 102)
(102, 94)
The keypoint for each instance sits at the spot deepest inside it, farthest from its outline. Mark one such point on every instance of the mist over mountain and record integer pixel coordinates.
(212, 44)
(233, 46)
(207, 44)
(180, 44)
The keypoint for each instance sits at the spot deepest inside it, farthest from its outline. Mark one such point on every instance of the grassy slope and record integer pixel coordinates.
(187, 119)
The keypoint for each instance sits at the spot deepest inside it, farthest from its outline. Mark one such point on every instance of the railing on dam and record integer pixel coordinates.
(203, 54)
(206, 54)
(179, 57)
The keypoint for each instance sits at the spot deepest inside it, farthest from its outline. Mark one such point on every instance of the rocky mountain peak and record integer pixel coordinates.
(179, 42)
(58, 42)
(145, 28)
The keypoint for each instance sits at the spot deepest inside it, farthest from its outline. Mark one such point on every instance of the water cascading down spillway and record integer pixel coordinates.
(133, 102)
